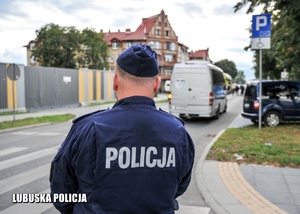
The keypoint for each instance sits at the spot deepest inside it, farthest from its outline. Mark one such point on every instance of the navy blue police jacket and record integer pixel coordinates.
(132, 158)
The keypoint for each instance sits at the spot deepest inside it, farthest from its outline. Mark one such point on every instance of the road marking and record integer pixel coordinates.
(49, 134)
(24, 178)
(38, 133)
(11, 150)
(25, 133)
(184, 209)
(28, 157)
(32, 208)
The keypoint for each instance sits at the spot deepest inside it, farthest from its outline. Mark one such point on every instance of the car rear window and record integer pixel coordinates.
(250, 91)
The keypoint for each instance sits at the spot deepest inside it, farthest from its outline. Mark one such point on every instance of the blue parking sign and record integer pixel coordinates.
(261, 26)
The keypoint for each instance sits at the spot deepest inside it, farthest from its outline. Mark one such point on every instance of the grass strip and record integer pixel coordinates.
(36, 120)
(279, 146)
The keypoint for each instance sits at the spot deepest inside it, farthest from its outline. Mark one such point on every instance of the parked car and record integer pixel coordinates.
(280, 102)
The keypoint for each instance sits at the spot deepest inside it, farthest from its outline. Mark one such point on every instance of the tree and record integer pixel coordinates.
(240, 78)
(228, 67)
(56, 46)
(94, 51)
(67, 47)
(285, 42)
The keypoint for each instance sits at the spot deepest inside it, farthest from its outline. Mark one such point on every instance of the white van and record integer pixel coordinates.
(198, 89)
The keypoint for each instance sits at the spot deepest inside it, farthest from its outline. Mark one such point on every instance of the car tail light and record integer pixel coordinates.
(256, 104)
(211, 98)
(169, 97)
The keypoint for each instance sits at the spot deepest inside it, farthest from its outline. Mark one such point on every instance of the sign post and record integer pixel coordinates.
(13, 73)
(261, 39)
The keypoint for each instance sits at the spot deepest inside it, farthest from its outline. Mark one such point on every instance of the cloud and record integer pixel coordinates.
(191, 9)
(198, 25)
(223, 10)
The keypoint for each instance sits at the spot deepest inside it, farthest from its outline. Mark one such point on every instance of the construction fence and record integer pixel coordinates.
(37, 88)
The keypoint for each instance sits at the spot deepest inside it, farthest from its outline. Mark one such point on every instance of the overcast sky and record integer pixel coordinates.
(199, 24)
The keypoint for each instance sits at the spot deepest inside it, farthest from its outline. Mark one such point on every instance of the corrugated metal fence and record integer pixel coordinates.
(44, 88)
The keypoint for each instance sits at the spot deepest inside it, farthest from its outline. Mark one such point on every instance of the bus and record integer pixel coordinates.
(228, 82)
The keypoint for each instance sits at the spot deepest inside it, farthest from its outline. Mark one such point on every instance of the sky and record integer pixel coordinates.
(199, 24)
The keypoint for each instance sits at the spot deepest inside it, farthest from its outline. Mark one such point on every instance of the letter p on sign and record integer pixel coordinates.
(261, 21)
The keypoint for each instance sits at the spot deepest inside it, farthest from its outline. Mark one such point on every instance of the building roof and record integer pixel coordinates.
(139, 34)
(199, 53)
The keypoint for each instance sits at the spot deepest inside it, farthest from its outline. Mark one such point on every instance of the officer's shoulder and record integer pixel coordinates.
(77, 119)
(171, 115)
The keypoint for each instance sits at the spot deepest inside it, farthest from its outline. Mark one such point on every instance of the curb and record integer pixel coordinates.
(226, 182)
(200, 181)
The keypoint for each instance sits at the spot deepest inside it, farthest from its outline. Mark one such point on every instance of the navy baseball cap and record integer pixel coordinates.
(139, 60)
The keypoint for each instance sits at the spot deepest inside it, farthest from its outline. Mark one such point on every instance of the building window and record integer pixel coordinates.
(152, 44)
(167, 33)
(157, 45)
(168, 58)
(32, 60)
(173, 46)
(128, 44)
(32, 46)
(114, 45)
(111, 58)
(168, 45)
(158, 32)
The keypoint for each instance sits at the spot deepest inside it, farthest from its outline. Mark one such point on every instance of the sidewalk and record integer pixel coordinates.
(78, 111)
(228, 188)
(244, 189)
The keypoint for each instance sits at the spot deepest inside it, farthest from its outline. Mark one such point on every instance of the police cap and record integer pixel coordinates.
(139, 60)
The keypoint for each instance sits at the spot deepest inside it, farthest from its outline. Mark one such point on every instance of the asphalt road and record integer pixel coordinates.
(202, 132)
(25, 157)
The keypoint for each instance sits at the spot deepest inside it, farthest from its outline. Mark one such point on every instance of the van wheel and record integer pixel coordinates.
(182, 116)
(272, 118)
(225, 109)
(217, 116)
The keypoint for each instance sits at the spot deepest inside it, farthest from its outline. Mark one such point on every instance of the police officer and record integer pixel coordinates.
(132, 158)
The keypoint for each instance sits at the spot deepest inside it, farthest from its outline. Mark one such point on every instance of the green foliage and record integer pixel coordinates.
(285, 41)
(36, 120)
(278, 146)
(240, 78)
(56, 46)
(67, 47)
(94, 51)
(228, 67)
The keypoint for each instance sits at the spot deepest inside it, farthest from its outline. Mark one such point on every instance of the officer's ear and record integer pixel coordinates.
(157, 84)
(116, 82)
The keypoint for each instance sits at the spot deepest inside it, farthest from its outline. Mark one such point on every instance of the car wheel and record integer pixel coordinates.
(272, 118)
